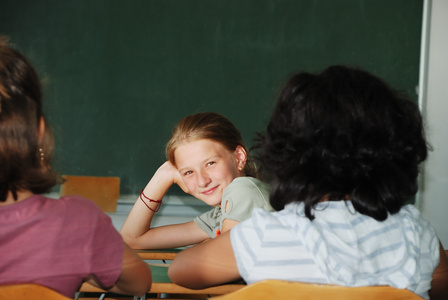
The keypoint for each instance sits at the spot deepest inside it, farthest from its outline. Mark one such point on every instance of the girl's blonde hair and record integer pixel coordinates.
(211, 126)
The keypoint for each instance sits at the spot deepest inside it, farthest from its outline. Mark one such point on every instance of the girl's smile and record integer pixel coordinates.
(210, 191)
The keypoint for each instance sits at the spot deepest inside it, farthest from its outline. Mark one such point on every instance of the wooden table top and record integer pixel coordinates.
(162, 284)
(160, 254)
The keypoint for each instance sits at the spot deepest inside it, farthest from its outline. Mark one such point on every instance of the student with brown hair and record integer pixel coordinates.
(57, 243)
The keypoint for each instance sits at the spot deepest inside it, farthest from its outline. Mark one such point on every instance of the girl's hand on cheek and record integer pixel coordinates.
(169, 172)
(166, 173)
(180, 182)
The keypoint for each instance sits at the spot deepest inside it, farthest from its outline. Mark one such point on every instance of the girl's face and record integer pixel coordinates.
(207, 168)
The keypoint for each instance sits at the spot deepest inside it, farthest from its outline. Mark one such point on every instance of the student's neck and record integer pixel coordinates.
(22, 195)
(327, 198)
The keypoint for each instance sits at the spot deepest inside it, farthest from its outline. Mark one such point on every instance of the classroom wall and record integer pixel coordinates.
(434, 191)
(119, 74)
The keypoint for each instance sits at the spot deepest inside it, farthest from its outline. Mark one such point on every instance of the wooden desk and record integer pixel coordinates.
(162, 254)
(162, 285)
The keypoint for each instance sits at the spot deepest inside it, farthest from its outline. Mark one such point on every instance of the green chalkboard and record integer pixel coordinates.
(118, 75)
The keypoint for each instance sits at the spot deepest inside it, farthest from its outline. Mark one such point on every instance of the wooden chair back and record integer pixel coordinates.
(29, 291)
(278, 289)
(103, 191)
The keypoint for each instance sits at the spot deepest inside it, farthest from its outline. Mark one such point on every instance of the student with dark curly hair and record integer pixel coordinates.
(342, 153)
(57, 243)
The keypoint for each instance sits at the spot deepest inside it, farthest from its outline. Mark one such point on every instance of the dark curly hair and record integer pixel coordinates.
(342, 134)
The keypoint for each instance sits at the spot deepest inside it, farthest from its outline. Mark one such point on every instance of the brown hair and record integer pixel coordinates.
(212, 126)
(24, 158)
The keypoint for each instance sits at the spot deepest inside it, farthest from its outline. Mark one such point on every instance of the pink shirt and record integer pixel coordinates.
(58, 243)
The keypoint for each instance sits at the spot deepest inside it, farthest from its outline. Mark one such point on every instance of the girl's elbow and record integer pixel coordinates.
(173, 273)
(186, 276)
(133, 245)
(132, 242)
(177, 274)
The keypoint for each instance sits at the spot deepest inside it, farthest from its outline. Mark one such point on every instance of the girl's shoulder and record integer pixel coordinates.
(248, 183)
(410, 210)
(411, 217)
(43, 203)
(247, 188)
(80, 202)
(246, 193)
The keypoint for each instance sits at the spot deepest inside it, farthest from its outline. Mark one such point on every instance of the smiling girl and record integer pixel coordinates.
(208, 159)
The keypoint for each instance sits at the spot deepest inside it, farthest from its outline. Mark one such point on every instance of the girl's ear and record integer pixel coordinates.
(241, 157)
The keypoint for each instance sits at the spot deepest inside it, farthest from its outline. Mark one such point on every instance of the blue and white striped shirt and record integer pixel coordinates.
(340, 246)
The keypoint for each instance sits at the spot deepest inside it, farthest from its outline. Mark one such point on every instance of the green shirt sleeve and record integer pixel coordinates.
(209, 221)
(241, 196)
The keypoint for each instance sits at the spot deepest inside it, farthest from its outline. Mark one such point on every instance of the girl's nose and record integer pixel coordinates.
(203, 179)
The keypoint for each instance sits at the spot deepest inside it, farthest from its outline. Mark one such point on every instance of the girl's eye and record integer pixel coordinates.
(211, 163)
(187, 173)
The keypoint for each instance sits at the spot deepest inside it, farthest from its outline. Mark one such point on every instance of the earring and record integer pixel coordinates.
(41, 153)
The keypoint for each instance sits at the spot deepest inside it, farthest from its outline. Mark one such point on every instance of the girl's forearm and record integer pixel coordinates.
(139, 219)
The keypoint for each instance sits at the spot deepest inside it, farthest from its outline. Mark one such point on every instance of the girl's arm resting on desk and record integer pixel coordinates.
(207, 264)
(170, 236)
(439, 284)
(136, 230)
(135, 278)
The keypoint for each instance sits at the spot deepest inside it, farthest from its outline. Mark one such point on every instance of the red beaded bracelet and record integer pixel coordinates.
(150, 200)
